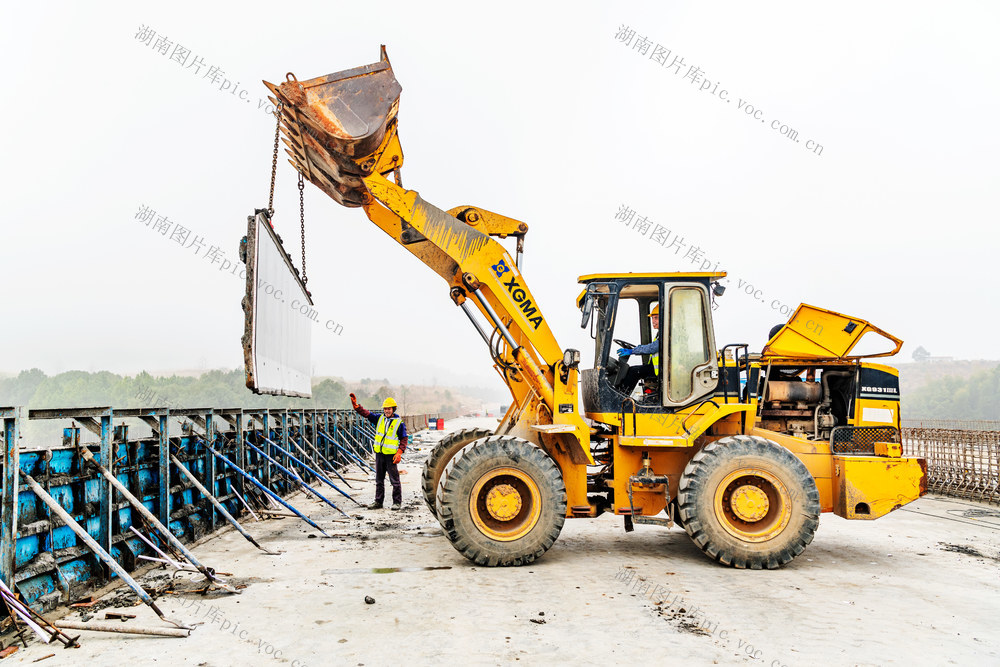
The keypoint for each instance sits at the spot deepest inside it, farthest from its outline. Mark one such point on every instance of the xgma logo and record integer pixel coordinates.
(517, 293)
(501, 268)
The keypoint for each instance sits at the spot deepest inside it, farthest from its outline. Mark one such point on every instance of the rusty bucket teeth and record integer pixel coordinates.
(334, 123)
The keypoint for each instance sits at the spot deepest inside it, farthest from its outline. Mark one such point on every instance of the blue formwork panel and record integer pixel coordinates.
(62, 461)
(62, 538)
(148, 483)
(38, 586)
(52, 565)
(92, 491)
(124, 519)
(77, 572)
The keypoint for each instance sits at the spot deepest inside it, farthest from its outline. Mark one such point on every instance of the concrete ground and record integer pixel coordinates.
(919, 587)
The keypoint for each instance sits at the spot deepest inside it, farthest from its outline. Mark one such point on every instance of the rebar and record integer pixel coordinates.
(960, 462)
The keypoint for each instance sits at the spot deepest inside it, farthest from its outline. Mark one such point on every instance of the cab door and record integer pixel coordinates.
(688, 362)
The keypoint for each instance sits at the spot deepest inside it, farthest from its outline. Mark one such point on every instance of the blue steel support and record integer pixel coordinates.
(210, 479)
(325, 426)
(107, 493)
(346, 424)
(352, 433)
(284, 437)
(163, 462)
(355, 429)
(320, 460)
(293, 476)
(359, 448)
(345, 437)
(300, 414)
(241, 449)
(344, 434)
(367, 430)
(58, 473)
(265, 421)
(105, 556)
(268, 491)
(312, 430)
(367, 434)
(335, 427)
(329, 424)
(287, 440)
(11, 466)
(349, 456)
(317, 474)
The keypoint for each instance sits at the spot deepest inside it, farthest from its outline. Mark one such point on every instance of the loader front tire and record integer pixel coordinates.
(501, 501)
(748, 502)
(442, 453)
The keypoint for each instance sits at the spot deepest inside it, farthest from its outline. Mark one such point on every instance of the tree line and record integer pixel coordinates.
(952, 397)
(218, 388)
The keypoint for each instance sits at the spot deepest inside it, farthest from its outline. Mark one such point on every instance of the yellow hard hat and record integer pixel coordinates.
(388, 403)
(656, 310)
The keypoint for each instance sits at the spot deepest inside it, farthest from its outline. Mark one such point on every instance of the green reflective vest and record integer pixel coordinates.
(387, 435)
(656, 360)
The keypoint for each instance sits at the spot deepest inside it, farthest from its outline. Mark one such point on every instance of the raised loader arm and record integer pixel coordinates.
(341, 134)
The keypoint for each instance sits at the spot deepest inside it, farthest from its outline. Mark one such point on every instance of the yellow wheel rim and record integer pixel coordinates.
(752, 505)
(505, 504)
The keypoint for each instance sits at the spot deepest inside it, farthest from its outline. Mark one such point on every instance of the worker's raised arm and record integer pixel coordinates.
(362, 411)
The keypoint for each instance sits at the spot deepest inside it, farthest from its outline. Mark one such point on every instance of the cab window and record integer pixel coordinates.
(688, 343)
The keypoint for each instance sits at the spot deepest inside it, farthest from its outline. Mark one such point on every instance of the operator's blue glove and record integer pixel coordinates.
(622, 352)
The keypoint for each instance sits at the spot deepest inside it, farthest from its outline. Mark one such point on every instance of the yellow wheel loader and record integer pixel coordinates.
(743, 449)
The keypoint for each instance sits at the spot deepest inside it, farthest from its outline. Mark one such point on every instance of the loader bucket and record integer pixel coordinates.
(333, 124)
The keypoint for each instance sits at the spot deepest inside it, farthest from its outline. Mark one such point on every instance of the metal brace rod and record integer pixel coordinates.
(96, 548)
(318, 474)
(315, 461)
(362, 448)
(366, 430)
(266, 490)
(36, 621)
(354, 457)
(329, 466)
(246, 505)
(149, 543)
(148, 516)
(180, 567)
(295, 477)
(219, 506)
(349, 453)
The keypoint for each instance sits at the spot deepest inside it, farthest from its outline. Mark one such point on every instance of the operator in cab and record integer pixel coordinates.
(389, 445)
(643, 371)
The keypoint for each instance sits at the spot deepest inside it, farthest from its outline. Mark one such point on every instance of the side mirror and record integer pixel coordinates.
(587, 309)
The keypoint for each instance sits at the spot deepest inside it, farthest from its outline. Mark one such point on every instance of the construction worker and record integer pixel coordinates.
(389, 445)
(644, 371)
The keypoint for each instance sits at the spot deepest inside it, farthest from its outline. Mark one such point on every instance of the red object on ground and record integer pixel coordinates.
(440, 425)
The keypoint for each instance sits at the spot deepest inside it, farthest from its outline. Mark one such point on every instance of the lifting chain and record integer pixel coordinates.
(302, 220)
(302, 187)
(274, 160)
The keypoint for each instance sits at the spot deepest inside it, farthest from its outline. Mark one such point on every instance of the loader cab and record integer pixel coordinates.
(679, 367)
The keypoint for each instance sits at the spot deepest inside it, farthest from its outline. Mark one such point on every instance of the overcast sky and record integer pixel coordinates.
(534, 110)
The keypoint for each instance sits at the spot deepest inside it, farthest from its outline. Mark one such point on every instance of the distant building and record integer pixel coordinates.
(920, 355)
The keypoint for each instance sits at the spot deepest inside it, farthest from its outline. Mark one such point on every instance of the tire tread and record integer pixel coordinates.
(693, 485)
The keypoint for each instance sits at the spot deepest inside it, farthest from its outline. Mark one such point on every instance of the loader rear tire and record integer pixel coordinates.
(748, 502)
(442, 453)
(501, 501)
